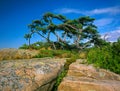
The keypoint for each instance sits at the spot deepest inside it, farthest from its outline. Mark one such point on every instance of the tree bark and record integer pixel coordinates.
(78, 38)
(64, 39)
(58, 37)
(54, 46)
(29, 42)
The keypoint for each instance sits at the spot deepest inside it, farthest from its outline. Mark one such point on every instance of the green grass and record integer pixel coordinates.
(53, 53)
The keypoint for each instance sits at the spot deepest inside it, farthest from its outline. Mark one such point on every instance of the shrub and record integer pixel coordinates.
(106, 57)
(24, 46)
(44, 53)
(36, 45)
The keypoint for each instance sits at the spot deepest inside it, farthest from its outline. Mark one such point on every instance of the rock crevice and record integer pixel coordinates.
(82, 77)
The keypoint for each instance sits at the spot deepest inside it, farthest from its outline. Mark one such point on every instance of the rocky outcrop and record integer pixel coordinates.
(82, 77)
(11, 53)
(29, 74)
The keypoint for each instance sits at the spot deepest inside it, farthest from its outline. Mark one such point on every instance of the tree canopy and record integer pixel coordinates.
(78, 33)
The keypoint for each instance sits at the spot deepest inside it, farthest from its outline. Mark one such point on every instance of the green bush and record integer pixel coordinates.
(44, 53)
(24, 46)
(39, 45)
(36, 45)
(107, 57)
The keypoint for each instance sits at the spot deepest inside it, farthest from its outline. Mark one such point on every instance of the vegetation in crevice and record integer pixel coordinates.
(64, 72)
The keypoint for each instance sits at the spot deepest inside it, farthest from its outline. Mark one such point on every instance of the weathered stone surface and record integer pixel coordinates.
(29, 74)
(11, 53)
(82, 77)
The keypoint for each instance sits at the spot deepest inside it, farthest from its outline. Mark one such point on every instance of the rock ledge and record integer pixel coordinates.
(82, 77)
(29, 74)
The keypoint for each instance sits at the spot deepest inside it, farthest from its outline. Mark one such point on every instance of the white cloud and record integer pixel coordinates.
(109, 10)
(112, 35)
(103, 22)
(68, 10)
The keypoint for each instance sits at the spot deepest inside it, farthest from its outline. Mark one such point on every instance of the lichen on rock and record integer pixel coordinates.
(29, 74)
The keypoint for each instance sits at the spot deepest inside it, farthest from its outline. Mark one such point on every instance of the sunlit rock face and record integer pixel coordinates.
(82, 77)
(29, 74)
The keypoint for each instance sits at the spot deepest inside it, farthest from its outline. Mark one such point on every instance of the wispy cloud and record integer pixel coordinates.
(112, 35)
(68, 10)
(103, 22)
(109, 10)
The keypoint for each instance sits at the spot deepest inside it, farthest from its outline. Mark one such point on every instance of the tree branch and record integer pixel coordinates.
(41, 35)
(58, 37)
(71, 26)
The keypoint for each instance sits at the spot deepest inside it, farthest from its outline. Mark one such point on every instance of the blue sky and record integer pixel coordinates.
(15, 15)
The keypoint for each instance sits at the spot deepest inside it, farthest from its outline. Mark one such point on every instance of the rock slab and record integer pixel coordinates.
(82, 77)
(29, 74)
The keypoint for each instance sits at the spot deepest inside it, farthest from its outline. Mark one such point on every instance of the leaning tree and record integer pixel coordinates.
(81, 31)
(47, 26)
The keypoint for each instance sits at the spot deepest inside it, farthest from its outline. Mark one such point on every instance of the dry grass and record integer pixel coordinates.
(8, 54)
(83, 55)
